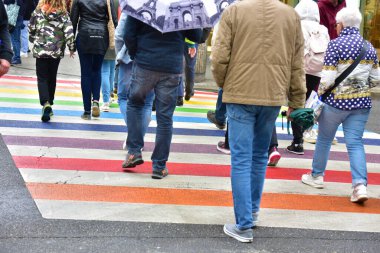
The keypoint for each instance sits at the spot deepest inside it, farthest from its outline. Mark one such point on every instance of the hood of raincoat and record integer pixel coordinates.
(308, 10)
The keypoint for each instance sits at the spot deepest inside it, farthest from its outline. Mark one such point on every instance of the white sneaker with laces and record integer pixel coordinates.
(359, 194)
(105, 107)
(310, 136)
(316, 182)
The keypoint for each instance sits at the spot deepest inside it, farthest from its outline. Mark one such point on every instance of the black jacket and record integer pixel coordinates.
(92, 16)
(30, 6)
(156, 51)
(20, 3)
(5, 44)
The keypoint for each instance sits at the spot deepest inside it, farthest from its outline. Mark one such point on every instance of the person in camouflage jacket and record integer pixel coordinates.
(50, 30)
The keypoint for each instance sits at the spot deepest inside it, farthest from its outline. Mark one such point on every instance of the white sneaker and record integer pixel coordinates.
(316, 182)
(310, 136)
(24, 55)
(105, 107)
(359, 194)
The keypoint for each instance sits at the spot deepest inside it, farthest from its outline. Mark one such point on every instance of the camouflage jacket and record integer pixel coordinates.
(50, 33)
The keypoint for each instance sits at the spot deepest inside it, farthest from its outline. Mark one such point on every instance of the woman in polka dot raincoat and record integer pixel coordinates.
(349, 104)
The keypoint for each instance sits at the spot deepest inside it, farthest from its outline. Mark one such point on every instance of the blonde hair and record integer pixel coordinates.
(53, 5)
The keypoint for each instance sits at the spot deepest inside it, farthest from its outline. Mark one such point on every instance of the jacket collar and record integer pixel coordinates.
(349, 31)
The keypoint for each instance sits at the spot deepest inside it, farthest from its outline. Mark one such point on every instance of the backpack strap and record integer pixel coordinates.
(345, 73)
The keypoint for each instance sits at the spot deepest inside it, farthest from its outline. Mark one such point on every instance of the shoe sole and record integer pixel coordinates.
(274, 161)
(235, 236)
(360, 199)
(295, 152)
(155, 176)
(223, 150)
(132, 165)
(317, 186)
(310, 141)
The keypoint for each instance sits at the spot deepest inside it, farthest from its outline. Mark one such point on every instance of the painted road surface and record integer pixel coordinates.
(72, 168)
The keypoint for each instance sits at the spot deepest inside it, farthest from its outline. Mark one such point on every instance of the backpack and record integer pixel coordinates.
(315, 47)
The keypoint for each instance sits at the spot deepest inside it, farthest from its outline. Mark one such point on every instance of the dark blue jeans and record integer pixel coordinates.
(189, 70)
(221, 109)
(165, 86)
(91, 76)
(16, 40)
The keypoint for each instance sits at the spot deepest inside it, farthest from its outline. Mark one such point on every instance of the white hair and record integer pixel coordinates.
(349, 17)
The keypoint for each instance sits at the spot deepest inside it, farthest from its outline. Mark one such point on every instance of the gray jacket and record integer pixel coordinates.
(120, 47)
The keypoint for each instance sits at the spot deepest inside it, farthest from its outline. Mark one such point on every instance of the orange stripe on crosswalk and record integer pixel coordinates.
(194, 197)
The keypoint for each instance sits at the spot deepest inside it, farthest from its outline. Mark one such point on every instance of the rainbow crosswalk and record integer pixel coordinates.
(72, 168)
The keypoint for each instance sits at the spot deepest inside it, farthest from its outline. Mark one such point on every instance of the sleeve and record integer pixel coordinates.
(32, 27)
(297, 87)
(5, 41)
(74, 15)
(119, 32)
(221, 51)
(374, 75)
(69, 34)
(329, 71)
(130, 36)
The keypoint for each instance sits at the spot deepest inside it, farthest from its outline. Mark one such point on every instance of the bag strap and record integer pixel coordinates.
(345, 73)
(109, 10)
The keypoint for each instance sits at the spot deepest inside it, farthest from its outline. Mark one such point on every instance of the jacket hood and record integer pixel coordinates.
(308, 10)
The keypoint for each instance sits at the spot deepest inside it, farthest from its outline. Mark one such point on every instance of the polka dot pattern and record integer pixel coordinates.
(347, 47)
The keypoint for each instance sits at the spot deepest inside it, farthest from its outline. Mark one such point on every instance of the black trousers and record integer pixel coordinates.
(46, 69)
(312, 83)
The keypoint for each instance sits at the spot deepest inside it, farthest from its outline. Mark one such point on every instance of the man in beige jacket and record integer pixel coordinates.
(258, 61)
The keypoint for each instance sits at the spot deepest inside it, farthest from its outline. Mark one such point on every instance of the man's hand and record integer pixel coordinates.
(72, 54)
(192, 51)
(4, 67)
(290, 110)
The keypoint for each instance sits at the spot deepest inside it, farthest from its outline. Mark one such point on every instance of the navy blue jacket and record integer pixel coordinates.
(156, 51)
(5, 39)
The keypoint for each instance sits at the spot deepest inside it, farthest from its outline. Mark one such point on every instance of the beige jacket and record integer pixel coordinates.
(258, 55)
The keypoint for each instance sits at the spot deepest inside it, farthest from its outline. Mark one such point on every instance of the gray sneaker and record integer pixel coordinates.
(240, 235)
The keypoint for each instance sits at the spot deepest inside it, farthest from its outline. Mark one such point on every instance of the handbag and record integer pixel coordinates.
(303, 117)
(111, 27)
(12, 13)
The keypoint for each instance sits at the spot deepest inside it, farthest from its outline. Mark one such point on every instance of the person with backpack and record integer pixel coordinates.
(316, 40)
(350, 70)
(50, 30)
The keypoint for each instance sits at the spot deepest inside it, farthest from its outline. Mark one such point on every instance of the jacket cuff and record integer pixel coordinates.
(6, 56)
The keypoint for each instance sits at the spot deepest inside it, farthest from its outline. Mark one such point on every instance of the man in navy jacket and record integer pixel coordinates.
(5, 42)
(158, 65)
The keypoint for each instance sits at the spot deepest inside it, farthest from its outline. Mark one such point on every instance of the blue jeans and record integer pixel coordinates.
(124, 80)
(249, 156)
(25, 37)
(220, 110)
(108, 76)
(353, 128)
(91, 76)
(16, 40)
(165, 86)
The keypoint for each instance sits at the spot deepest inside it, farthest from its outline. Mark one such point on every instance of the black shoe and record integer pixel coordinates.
(160, 174)
(132, 161)
(295, 148)
(179, 101)
(188, 96)
(212, 119)
(46, 113)
(15, 62)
